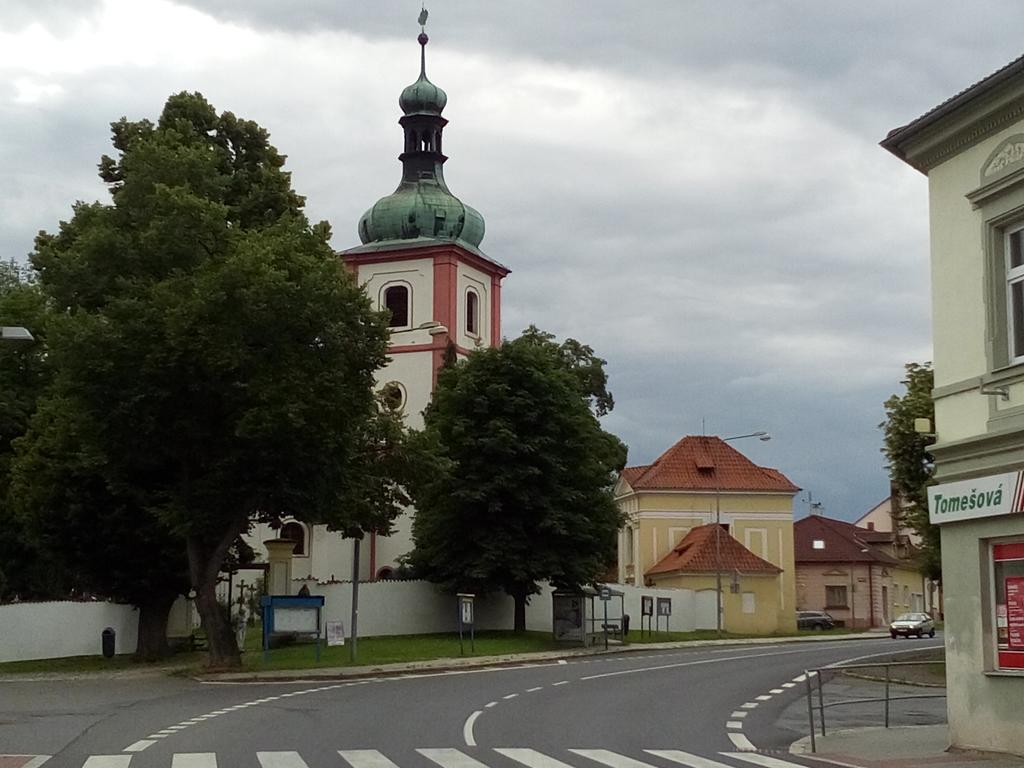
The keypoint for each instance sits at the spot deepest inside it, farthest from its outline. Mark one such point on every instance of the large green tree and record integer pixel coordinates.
(910, 464)
(521, 490)
(27, 570)
(217, 351)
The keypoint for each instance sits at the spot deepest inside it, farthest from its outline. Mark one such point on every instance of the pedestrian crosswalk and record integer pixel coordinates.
(444, 758)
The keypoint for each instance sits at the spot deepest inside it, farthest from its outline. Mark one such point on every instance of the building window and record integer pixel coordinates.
(1008, 589)
(1015, 293)
(629, 545)
(396, 301)
(393, 396)
(472, 313)
(749, 602)
(295, 532)
(835, 597)
(818, 544)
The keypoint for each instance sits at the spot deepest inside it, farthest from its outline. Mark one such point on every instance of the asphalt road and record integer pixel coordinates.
(604, 710)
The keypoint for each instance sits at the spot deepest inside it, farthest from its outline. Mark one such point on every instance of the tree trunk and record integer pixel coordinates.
(519, 621)
(204, 564)
(153, 628)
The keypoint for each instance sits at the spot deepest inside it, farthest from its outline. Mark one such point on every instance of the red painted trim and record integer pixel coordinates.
(373, 555)
(440, 342)
(427, 252)
(495, 310)
(446, 280)
(1012, 551)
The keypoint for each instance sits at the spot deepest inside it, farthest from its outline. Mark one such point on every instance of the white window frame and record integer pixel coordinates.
(382, 304)
(1014, 277)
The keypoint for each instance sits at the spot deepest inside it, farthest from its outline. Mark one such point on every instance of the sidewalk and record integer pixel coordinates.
(903, 747)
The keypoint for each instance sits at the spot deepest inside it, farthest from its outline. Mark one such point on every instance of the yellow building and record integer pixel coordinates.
(697, 482)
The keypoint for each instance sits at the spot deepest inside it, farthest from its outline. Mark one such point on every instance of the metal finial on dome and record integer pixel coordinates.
(423, 40)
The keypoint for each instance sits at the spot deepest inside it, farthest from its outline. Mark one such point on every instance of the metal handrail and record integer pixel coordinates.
(816, 673)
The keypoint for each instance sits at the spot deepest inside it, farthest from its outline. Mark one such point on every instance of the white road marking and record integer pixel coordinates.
(676, 665)
(685, 758)
(749, 705)
(563, 682)
(741, 742)
(763, 760)
(776, 691)
(763, 697)
(194, 760)
(451, 758)
(365, 758)
(537, 688)
(799, 679)
(734, 724)
(139, 745)
(510, 696)
(611, 759)
(36, 761)
(107, 761)
(490, 704)
(788, 685)
(562, 661)
(467, 728)
(531, 758)
(738, 713)
(281, 760)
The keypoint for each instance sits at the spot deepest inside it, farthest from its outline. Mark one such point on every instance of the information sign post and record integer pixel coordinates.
(605, 594)
(664, 609)
(646, 611)
(466, 620)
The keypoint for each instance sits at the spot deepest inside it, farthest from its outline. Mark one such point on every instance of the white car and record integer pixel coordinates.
(908, 624)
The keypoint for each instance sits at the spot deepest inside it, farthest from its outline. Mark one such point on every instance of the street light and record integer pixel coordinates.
(15, 334)
(763, 437)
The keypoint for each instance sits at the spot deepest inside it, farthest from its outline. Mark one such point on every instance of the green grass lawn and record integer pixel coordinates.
(389, 650)
(372, 651)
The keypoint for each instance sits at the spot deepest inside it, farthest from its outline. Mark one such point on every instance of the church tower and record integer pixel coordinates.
(420, 260)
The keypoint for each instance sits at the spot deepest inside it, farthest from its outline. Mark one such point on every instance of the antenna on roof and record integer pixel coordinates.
(813, 507)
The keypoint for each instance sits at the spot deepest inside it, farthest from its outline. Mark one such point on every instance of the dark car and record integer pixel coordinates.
(908, 624)
(814, 620)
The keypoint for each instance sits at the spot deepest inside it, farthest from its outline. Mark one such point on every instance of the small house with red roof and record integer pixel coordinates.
(703, 515)
(862, 577)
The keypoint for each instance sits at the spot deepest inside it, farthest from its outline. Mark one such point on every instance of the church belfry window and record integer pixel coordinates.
(396, 301)
(472, 313)
(295, 532)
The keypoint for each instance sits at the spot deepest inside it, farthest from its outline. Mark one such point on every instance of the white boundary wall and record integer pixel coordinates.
(56, 629)
(419, 607)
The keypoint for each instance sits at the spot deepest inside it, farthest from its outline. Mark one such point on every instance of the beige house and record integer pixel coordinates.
(862, 577)
(971, 147)
(698, 482)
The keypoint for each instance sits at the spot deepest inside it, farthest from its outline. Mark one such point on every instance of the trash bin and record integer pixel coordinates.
(625, 624)
(109, 635)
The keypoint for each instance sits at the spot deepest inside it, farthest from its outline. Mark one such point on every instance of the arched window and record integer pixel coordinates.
(472, 313)
(396, 301)
(385, 574)
(295, 532)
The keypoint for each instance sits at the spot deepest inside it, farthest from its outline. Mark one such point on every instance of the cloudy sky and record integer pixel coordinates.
(694, 188)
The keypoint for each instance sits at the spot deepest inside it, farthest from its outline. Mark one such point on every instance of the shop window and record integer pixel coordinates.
(1008, 578)
(835, 596)
(295, 532)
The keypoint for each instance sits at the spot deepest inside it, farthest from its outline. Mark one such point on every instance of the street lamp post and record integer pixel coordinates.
(763, 437)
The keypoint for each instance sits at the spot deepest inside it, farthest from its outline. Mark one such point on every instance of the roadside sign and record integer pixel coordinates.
(664, 606)
(335, 632)
(605, 593)
(646, 605)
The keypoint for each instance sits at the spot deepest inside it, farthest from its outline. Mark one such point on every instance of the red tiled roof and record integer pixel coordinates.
(706, 464)
(698, 553)
(844, 542)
